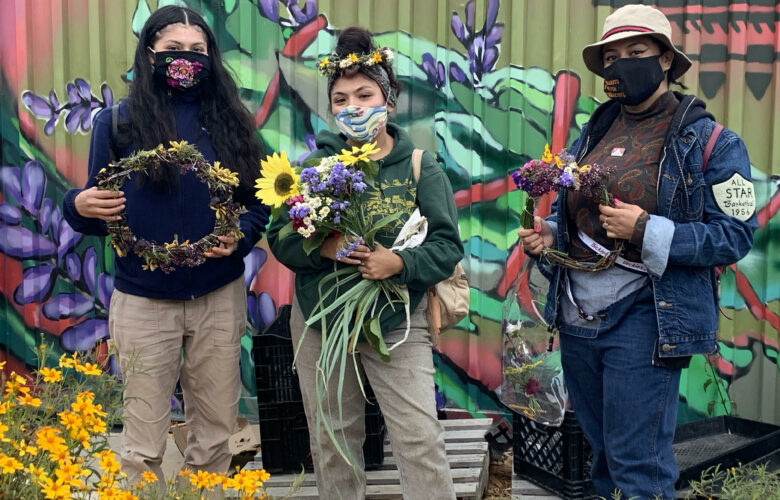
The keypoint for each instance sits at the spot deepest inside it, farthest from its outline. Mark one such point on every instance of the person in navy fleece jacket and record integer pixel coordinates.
(201, 312)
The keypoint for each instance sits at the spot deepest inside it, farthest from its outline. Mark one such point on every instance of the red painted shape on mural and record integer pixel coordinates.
(13, 364)
(565, 95)
(756, 307)
(12, 273)
(274, 279)
(295, 46)
(769, 210)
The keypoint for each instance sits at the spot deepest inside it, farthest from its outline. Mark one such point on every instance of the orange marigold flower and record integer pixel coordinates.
(50, 375)
(27, 399)
(9, 465)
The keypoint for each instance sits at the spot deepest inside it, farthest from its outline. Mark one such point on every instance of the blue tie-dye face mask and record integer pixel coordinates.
(361, 124)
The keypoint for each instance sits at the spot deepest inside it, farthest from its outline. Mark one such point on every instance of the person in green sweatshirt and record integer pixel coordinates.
(360, 97)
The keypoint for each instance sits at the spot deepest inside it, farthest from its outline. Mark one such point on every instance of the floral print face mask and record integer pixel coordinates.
(181, 69)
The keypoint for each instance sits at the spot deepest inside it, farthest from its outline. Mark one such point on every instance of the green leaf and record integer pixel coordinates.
(286, 231)
(370, 171)
(373, 335)
(706, 384)
(380, 224)
(314, 242)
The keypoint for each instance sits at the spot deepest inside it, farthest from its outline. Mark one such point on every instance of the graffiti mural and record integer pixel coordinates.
(476, 92)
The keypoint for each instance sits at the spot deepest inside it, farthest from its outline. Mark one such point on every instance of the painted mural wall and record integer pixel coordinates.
(487, 83)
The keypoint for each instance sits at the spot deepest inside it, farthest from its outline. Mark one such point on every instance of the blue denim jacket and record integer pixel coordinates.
(690, 234)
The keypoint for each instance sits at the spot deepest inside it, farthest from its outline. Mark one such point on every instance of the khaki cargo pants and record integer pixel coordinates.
(160, 341)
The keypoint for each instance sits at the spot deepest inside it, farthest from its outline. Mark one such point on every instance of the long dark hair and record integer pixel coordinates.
(231, 126)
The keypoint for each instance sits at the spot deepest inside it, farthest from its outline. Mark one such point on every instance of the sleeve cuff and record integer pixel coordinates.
(656, 245)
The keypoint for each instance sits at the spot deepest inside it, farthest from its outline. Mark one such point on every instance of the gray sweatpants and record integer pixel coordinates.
(404, 389)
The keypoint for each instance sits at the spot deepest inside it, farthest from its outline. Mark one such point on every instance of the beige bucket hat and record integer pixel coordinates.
(635, 20)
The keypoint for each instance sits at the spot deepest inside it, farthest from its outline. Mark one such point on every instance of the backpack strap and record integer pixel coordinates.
(705, 157)
(416, 163)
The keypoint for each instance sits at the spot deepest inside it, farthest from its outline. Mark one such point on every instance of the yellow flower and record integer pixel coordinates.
(26, 399)
(24, 449)
(176, 146)
(35, 471)
(547, 157)
(224, 175)
(88, 369)
(48, 439)
(149, 476)
(69, 473)
(119, 251)
(69, 362)
(278, 181)
(2, 365)
(9, 465)
(184, 472)
(54, 489)
(50, 375)
(377, 57)
(353, 58)
(201, 480)
(324, 62)
(358, 154)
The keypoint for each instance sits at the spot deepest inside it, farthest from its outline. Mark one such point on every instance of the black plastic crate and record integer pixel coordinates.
(284, 435)
(555, 458)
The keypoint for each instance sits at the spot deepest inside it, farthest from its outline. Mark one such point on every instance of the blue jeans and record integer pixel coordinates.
(627, 407)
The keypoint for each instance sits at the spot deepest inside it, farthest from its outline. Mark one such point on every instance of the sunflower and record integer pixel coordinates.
(278, 181)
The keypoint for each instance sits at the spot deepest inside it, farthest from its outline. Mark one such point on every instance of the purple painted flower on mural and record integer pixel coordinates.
(73, 266)
(9, 214)
(67, 305)
(261, 309)
(483, 45)
(457, 74)
(68, 238)
(33, 186)
(79, 110)
(105, 288)
(85, 335)
(11, 182)
(36, 284)
(434, 70)
(88, 268)
(252, 264)
(21, 243)
(298, 16)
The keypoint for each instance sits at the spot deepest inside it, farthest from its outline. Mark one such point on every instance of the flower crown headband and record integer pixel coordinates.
(333, 64)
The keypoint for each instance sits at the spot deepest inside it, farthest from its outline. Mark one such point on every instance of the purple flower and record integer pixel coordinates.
(21, 243)
(11, 182)
(33, 186)
(9, 214)
(252, 264)
(85, 335)
(351, 248)
(105, 288)
(67, 305)
(301, 16)
(566, 179)
(36, 284)
(482, 45)
(79, 110)
(456, 73)
(88, 268)
(433, 70)
(68, 239)
(73, 265)
(269, 9)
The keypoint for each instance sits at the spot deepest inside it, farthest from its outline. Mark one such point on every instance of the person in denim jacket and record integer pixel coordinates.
(628, 330)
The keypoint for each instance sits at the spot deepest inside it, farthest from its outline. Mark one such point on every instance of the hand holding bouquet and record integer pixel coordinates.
(550, 174)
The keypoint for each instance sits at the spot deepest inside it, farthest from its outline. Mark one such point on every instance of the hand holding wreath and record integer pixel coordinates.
(167, 256)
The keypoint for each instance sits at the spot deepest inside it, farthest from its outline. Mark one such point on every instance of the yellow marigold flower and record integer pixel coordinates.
(2, 365)
(16, 383)
(353, 58)
(89, 369)
(26, 399)
(109, 463)
(264, 475)
(324, 62)
(23, 448)
(35, 471)
(69, 473)
(48, 439)
(148, 476)
(201, 480)
(9, 465)
(3, 428)
(50, 375)
(120, 252)
(54, 489)
(69, 420)
(376, 57)
(69, 362)
(184, 472)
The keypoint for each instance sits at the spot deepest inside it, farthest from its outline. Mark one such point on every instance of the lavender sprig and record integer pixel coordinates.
(344, 252)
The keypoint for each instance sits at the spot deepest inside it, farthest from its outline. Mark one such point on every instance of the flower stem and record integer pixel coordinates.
(527, 215)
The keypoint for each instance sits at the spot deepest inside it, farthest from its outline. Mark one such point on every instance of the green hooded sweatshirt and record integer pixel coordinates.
(395, 190)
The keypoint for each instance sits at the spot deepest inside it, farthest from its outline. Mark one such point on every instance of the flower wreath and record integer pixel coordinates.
(332, 64)
(167, 256)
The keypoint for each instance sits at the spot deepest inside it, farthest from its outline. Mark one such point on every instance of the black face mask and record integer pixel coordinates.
(631, 80)
(181, 69)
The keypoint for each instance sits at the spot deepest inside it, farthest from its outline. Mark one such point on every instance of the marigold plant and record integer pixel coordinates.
(54, 429)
